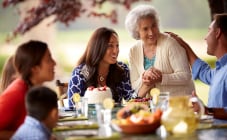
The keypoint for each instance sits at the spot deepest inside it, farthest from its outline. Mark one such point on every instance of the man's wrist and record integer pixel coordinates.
(209, 111)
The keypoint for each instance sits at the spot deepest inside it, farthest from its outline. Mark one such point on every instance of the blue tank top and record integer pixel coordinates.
(148, 62)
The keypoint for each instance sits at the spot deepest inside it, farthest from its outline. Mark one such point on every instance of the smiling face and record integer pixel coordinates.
(148, 31)
(112, 51)
(44, 71)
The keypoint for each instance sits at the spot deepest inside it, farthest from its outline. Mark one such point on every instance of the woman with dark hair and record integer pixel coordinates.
(8, 74)
(98, 66)
(34, 65)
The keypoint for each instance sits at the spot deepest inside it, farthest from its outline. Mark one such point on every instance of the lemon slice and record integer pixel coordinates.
(108, 103)
(155, 99)
(155, 95)
(154, 91)
(76, 97)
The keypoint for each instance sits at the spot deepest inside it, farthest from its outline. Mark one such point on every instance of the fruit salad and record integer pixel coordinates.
(136, 114)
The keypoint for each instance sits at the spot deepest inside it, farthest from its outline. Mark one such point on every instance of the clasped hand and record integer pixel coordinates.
(152, 76)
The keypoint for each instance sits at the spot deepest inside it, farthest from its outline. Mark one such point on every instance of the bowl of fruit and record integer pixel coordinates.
(137, 119)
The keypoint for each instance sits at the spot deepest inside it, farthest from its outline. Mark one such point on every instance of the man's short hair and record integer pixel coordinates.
(40, 101)
(221, 22)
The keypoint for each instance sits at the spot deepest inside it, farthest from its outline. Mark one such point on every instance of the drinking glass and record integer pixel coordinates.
(77, 107)
(198, 106)
(103, 115)
(81, 107)
(84, 107)
(163, 100)
(105, 131)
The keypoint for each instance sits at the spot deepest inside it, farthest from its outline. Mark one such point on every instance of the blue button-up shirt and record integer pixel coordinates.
(32, 129)
(216, 78)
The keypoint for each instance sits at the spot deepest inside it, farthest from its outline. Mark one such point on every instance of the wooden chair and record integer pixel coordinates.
(62, 91)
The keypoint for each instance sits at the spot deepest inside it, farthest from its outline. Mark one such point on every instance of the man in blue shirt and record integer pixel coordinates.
(216, 78)
(42, 110)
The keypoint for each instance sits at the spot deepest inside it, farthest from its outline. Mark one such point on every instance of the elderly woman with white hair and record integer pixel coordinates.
(156, 59)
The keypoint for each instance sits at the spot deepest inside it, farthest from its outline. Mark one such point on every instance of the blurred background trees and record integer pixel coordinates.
(69, 12)
(64, 11)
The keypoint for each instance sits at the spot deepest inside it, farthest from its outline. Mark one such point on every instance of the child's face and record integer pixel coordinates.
(52, 119)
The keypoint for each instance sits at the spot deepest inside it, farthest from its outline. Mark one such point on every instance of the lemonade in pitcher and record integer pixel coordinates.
(180, 117)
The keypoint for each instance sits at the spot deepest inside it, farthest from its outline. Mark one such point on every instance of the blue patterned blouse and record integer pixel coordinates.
(77, 84)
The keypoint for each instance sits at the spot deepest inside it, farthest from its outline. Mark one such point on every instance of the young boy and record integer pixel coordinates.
(42, 115)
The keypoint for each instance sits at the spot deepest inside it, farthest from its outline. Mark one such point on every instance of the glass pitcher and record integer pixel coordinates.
(180, 117)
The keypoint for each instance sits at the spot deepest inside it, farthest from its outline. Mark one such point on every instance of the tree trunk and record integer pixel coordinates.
(217, 6)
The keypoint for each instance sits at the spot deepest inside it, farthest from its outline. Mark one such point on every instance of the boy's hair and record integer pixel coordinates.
(40, 101)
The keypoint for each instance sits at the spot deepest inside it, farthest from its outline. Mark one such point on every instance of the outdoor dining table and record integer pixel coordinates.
(209, 130)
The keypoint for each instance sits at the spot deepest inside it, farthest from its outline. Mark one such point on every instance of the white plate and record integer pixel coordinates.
(206, 119)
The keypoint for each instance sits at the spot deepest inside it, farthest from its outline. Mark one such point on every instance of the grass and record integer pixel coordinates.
(190, 34)
(82, 36)
(202, 91)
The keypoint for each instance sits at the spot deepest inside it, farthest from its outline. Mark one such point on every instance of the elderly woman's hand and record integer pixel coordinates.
(152, 76)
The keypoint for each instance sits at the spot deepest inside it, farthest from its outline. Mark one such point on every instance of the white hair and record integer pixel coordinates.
(139, 12)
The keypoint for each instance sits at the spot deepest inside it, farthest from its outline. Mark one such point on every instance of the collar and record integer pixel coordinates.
(222, 61)
(33, 121)
(84, 71)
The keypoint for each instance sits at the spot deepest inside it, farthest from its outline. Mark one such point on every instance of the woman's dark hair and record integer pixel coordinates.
(28, 55)
(40, 101)
(8, 73)
(94, 53)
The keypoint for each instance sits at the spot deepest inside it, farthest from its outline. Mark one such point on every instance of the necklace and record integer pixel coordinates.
(101, 78)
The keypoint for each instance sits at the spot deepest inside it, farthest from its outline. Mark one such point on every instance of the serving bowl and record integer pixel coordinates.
(137, 128)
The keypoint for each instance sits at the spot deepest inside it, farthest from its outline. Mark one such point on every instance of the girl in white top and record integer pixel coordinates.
(156, 60)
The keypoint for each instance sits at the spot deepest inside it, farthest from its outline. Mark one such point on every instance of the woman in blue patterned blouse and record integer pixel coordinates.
(98, 66)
